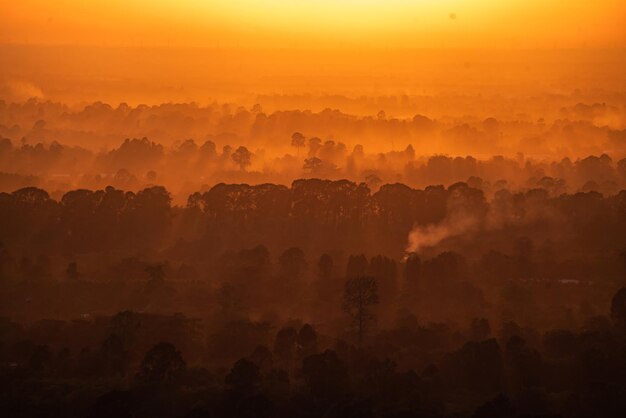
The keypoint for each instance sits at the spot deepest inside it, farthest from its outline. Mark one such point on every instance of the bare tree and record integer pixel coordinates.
(360, 293)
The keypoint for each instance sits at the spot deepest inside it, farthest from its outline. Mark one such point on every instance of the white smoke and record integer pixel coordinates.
(458, 223)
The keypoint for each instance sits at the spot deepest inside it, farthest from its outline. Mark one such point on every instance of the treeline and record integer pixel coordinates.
(569, 127)
(311, 214)
(189, 165)
(441, 253)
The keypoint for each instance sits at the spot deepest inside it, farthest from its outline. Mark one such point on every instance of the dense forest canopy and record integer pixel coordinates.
(429, 301)
(313, 263)
(313, 209)
(187, 147)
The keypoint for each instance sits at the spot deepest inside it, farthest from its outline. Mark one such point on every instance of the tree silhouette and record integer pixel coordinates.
(312, 164)
(162, 363)
(285, 343)
(314, 145)
(244, 377)
(357, 266)
(298, 141)
(242, 157)
(373, 180)
(360, 293)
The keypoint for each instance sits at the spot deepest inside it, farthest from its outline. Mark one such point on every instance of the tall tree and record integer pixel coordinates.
(360, 293)
(298, 140)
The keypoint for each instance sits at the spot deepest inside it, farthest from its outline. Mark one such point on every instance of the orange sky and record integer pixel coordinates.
(162, 50)
(312, 23)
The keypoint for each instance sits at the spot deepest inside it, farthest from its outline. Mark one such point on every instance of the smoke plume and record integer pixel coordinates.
(456, 224)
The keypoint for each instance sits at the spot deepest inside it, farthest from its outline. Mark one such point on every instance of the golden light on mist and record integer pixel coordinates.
(392, 23)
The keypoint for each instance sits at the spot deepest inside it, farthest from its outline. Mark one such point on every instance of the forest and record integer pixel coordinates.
(313, 209)
(62, 149)
(324, 298)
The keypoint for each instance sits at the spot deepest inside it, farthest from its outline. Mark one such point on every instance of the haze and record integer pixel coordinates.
(151, 52)
(313, 208)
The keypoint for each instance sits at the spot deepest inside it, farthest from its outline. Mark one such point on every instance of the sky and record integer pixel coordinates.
(161, 50)
(317, 23)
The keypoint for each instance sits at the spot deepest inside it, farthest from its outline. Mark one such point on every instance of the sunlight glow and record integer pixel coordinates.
(402, 23)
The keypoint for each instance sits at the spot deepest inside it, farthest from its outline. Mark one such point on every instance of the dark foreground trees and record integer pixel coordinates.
(410, 369)
(162, 363)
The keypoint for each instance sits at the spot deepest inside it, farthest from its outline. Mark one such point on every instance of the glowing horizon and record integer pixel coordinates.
(308, 23)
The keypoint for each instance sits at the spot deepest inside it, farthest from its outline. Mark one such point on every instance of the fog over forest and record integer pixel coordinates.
(220, 260)
(313, 209)
(189, 148)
